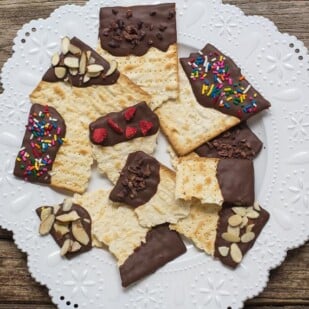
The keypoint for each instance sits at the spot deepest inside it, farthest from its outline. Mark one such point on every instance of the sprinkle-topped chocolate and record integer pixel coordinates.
(217, 83)
(118, 127)
(138, 181)
(133, 30)
(237, 231)
(236, 181)
(70, 226)
(44, 135)
(79, 65)
(162, 246)
(239, 143)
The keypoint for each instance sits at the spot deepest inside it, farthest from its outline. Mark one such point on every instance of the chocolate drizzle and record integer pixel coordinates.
(138, 181)
(43, 137)
(224, 215)
(236, 181)
(86, 224)
(133, 30)
(239, 143)
(144, 122)
(77, 80)
(217, 83)
(162, 245)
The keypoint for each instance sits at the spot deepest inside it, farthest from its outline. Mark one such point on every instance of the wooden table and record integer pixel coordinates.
(289, 284)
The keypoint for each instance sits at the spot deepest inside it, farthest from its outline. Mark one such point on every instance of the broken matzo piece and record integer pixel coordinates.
(115, 135)
(149, 187)
(143, 40)
(139, 251)
(81, 85)
(215, 181)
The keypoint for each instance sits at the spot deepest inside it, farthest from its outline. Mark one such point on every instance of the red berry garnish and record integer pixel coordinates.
(99, 135)
(114, 126)
(130, 132)
(145, 126)
(129, 113)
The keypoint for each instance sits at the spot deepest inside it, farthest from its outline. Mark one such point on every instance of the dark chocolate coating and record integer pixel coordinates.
(238, 143)
(235, 74)
(77, 80)
(236, 181)
(138, 181)
(224, 215)
(59, 239)
(162, 246)
(133, 30)
(143, 112)
(52, 151)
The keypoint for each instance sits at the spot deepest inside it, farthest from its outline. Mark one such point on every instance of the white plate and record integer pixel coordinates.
(277, 65)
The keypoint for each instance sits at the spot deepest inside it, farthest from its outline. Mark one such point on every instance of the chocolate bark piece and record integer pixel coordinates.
(252, 221)
(82, 73)
(43, 137)
(133, 30)
(217, 83)
(76, 231)
(238, 143)
(118, 127)
(236, 181)
(162, 246)
(138, 181)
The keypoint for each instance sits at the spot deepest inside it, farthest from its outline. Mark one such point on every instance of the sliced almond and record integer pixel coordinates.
(65, 44)
(95, 68)
(45, 212)
(230, 237)
(235, 230)
(83, 63)
(249, 228)
(79, 233)
(46, 225)
(249, 209)
(235, 220)
(69, 217)
(224, 251)
(256, 206)
(73, 72)
(87, 220)
(61, 229)
(55, 59)
(74, 49)
(113, 68)
(236, 253)
(60, 72)
(239, 211)
(86, 79)
(75, 246)
(56, 208)
(88, 53)
(71, 62)
(66, 247)
(253, 214)
(67, 204)
(244, 222)
(92, 75)
(91, 60)
(247, 237)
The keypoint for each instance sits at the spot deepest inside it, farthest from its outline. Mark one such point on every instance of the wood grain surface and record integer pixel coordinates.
(288, 286)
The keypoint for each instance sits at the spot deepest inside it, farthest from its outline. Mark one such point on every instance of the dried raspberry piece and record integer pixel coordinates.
(114, 126)
(130, 132)
(129, 113)
(145, 126)
(99, 135)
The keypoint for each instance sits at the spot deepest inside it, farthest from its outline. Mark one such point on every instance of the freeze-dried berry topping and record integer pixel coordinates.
(99, 135)
(129, 113)
(114, 126)
(130, 132)
(145, 126)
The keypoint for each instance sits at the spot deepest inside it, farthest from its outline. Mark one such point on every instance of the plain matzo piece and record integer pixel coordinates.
(156, 72)
(200, 226)
(196, 179)
(163, 207)
(79, 107)
(114, 224)
(111, 158)
(187, 124)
